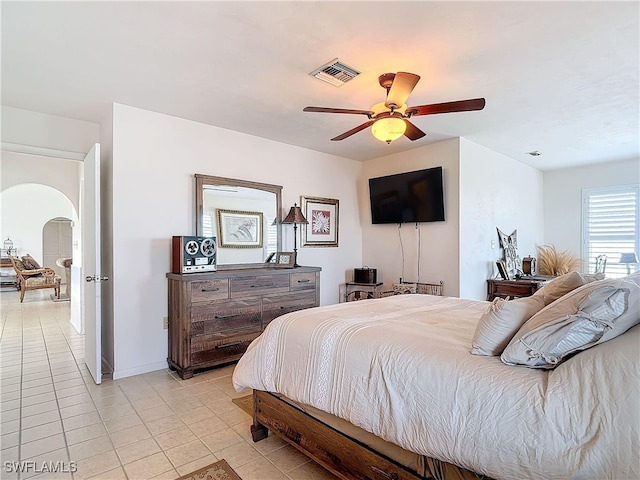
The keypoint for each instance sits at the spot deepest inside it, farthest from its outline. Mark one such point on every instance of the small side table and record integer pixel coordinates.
(362, 291)
(513, 288)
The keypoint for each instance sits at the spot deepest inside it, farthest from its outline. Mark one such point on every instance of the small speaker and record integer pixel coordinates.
(193, 254)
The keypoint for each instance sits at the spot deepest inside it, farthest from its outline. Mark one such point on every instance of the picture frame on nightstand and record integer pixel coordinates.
(502, 269)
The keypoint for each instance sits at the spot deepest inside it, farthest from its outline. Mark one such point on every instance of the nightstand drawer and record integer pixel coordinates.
(208, 290)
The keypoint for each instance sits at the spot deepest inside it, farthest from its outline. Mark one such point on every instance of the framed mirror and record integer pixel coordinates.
(244, 217)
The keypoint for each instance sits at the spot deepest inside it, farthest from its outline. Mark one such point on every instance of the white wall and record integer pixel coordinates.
(154, 159)
(495, 192)
(61, 174)
(381, 248)
(36, 129)
(563, 198)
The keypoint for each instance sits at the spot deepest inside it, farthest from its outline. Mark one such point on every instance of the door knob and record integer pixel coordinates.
(96, 279)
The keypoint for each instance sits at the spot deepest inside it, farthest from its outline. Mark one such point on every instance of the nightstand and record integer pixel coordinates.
(362, 291)
(513, 288)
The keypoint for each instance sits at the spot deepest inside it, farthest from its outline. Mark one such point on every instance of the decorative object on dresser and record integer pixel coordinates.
(295, 216)
(323, 215)
(193, 254)
(628, 259)
(213, 317)
(286, 260)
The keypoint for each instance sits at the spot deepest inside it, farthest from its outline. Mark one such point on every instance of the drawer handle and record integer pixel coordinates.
(304, 281)
(227, 345)
(216, 289)
(262, 286)
(230, 315)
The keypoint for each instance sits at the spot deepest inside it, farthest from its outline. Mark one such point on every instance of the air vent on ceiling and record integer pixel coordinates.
(336, 72)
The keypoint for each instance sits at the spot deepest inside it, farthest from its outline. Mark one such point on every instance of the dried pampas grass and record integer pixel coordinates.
(552, 262)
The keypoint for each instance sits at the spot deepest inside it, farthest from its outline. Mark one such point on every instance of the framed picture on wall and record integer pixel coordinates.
(322, 215)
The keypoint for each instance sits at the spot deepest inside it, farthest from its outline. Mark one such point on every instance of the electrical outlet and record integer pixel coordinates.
(165, 323)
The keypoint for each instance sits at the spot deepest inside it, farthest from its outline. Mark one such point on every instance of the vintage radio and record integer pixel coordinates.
(365, 275)
(193, 254)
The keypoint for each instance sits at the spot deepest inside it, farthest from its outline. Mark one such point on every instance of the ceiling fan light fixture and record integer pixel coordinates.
(388, 129)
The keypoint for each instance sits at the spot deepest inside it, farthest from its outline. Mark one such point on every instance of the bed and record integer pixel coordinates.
(387, 388)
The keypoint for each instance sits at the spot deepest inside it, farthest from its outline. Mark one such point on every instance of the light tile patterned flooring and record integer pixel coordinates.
(149, 426)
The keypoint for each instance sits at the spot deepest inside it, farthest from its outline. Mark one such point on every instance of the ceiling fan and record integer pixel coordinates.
(389, 120)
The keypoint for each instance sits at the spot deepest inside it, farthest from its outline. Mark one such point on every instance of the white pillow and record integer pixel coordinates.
(500, 323)
(591, 314)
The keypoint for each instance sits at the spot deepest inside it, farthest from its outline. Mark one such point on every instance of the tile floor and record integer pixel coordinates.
(149, 426)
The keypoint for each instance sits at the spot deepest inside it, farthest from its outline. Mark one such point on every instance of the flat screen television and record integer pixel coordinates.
(409, 197)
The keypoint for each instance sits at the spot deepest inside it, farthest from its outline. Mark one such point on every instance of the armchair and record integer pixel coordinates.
(35, 278)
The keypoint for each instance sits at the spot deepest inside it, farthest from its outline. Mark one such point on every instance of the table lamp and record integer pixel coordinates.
(628, 259)
(295, 216)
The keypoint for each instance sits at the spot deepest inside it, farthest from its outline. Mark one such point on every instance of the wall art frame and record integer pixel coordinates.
(239, 229)
(323, 215)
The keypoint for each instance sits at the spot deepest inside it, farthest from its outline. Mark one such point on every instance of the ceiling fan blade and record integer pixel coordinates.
(353, 130)
(337, 110)
(402, 86)
(447, 107)
(412, 132)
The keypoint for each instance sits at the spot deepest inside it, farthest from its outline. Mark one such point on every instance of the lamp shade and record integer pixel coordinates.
(628, 258)
(295, 215)
(388, 129)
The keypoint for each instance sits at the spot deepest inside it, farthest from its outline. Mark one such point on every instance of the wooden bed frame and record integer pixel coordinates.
(340, 454)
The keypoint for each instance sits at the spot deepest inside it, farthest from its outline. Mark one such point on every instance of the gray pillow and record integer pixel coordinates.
(587, 316)
(501, 322)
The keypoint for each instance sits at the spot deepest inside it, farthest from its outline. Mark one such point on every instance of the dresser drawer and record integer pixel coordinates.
(302, 281)
(208, 290)
(217, 348)
(259, 285)
(275, 305)
(226, 316)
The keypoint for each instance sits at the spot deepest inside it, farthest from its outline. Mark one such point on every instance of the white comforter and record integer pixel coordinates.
(400, 368)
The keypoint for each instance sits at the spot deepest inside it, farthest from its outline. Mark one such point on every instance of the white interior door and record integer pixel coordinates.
(91, 273)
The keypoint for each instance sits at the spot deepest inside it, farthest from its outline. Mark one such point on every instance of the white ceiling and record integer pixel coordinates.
(558, 77)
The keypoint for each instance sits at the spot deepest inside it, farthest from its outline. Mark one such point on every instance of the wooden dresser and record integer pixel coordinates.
(213, 317)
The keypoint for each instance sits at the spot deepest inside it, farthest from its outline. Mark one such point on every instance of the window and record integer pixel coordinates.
(610, 226)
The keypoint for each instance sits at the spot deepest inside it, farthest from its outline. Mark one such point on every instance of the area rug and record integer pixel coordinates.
(216, 471)
(245, 403)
